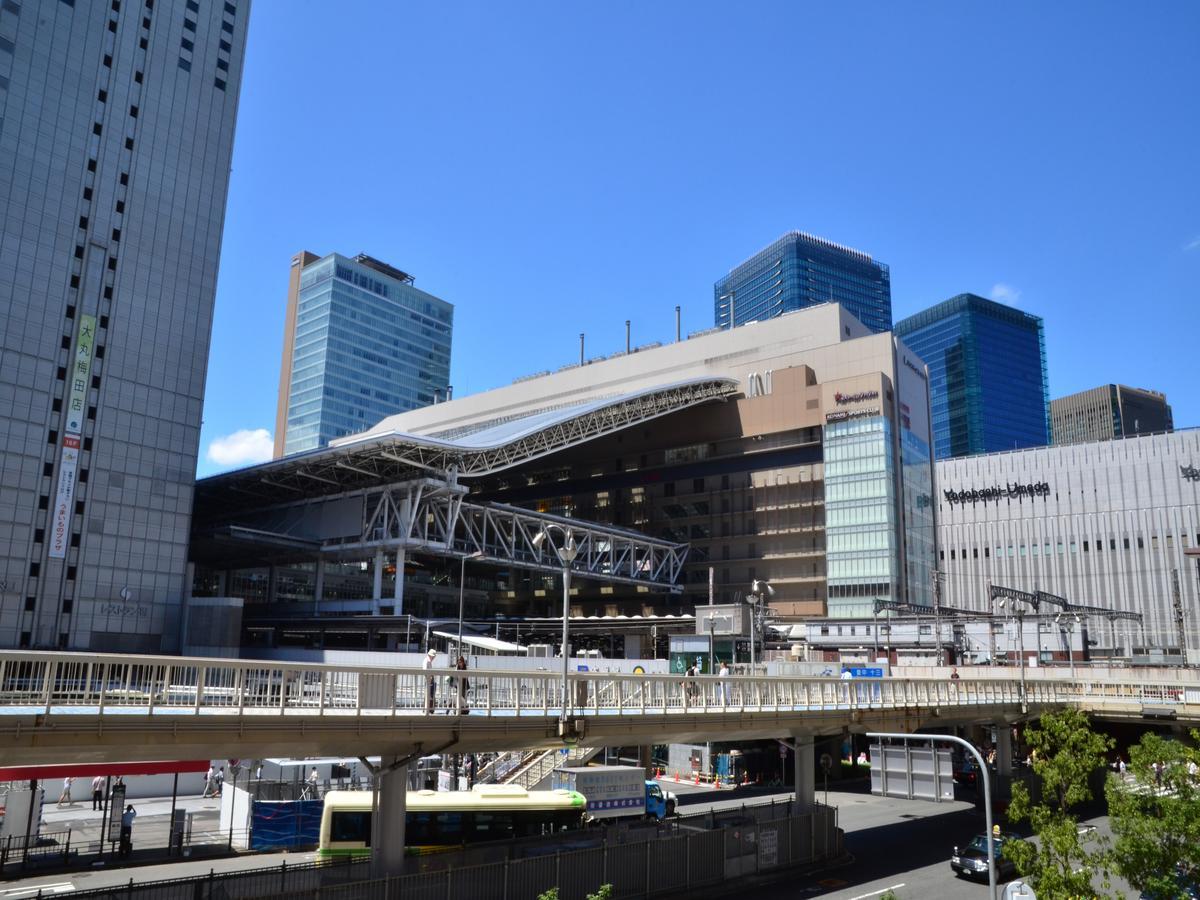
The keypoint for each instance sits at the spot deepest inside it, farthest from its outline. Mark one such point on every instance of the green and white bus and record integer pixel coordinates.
(446, 820)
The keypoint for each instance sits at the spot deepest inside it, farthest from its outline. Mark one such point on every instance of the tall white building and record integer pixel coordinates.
(116, 131)
(1102, 524)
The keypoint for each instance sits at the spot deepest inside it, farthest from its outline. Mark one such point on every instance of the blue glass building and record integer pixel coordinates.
(361, 343)
(987, 375)
(798, 271)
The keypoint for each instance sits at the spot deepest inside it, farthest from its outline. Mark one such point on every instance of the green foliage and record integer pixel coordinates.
(889, 895)
(605, 893)
(1157, 829)
(1066, 753)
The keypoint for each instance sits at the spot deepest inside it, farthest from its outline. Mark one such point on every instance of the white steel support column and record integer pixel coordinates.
(398, 593)
(377, 587)
(804, 772)
(388, 837)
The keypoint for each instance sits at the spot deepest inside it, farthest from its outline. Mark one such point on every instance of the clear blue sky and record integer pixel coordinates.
(552, 168)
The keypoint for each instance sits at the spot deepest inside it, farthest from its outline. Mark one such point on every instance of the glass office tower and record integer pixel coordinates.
(116, 132)
(987, 375)
(361, 343)
(798, 271)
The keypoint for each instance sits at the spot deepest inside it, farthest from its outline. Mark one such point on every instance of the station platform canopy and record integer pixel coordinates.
(385, 455)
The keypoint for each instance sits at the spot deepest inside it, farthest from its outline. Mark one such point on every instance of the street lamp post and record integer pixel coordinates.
(760, 591)
(566, 553)
(987, 788)
(462, 577)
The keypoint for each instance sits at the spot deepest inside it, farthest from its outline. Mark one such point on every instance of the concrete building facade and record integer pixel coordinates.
(1102, 524)
(1106, 412)
(116, 131)
(361, 342)
(815, 474)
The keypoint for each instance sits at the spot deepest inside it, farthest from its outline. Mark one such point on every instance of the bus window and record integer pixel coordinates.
(350, 826)
(493, 826)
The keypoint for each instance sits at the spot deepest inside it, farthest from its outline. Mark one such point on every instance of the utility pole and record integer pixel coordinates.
(1177, 603)
(937, 614)
(991, 623)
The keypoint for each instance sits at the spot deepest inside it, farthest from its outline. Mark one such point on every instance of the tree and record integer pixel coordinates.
(1065, 754)
(1157, 826)
(605, 893)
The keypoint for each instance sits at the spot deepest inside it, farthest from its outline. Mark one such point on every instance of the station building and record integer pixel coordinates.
(795, 450)
(1103, 524)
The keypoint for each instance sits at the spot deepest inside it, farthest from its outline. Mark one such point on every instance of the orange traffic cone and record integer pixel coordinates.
(697, 778)
(677, 778)
(717, 782)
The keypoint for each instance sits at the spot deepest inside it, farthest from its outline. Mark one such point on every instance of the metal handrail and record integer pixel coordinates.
(34, 682)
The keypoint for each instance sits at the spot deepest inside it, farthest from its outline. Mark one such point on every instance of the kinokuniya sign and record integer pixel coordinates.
(996, 494)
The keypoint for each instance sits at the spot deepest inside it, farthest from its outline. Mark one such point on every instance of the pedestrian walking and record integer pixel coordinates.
(431, 687)
(65, 797)
(1121, 767)
(1158, 774)
(98, 792)
(690, 682)
(209, 782)
(218, 781)
(127, 818)
(723, 673)
(461, 683)
(954, 673)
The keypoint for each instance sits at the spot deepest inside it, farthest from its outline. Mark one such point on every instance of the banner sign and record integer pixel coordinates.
(64, 500)
(80, 374)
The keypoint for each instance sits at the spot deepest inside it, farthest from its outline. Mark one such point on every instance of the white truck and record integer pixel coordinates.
(614, 792)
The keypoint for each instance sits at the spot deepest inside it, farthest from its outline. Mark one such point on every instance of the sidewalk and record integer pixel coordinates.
(78, 814)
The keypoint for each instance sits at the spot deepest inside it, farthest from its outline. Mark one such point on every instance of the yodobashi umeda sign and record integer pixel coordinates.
(997, 493)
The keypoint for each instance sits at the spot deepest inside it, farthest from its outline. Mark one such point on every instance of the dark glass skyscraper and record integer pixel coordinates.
(987, 375)
(800, 270)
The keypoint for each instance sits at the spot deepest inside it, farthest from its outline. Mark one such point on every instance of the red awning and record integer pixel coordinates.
(91, 770)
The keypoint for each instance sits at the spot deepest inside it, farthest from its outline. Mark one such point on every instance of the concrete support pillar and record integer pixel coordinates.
(387, 826)
(377, 588)
(645, 760)
(223, 580)
(398, 594)
(272, 583)
(319, 585)
(804, 761)
(1003, 782)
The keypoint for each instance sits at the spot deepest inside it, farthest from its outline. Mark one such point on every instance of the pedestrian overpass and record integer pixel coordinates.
(78, 707)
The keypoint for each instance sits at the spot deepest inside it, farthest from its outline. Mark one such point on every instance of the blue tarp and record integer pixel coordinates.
(288, 824)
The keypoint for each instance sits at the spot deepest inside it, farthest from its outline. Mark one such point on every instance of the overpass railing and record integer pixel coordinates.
(48, 682)
(67, 682)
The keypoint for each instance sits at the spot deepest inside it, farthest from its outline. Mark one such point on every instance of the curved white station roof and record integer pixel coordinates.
(386, 454)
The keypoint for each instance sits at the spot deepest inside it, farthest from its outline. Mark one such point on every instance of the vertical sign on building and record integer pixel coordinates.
(80, 376)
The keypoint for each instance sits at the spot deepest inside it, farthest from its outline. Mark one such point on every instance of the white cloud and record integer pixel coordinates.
(242, 448)
(1193, 244)
(1005, 293)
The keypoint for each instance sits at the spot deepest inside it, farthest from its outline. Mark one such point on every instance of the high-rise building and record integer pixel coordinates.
(360, 343)
(798, 271)
(116, 132)
(987, 375)
(1108, 412)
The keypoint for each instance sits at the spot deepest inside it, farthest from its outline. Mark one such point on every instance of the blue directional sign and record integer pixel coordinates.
(861, 672)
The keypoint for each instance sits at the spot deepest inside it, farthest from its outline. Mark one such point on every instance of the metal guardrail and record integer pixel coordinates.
(108, 684)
